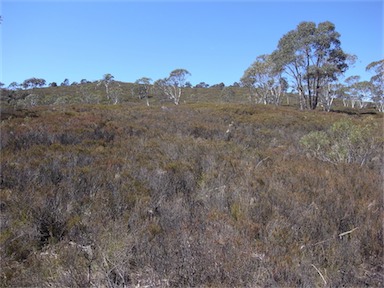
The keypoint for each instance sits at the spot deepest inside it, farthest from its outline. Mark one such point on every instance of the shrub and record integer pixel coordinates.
(163, 198)
(344, 142)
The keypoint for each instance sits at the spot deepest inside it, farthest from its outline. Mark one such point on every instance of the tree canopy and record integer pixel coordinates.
(377, 82)
(107, 80)
(312, 57)
(264, 80)
(172, 85)
(33, 82)
(142, 88)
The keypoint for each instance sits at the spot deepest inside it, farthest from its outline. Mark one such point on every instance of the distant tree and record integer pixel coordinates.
(312, 57)
(188, 84)
(40, 82)
(84, 81)
(218, 86)
(358, 92)
(365, 91)
(173, 85)
(74, 83)
(340, 91)
(202, 85)
(65, 82)
(333, 91)
(158, 88)
(33, 83)
(236, 84)
(106, 81)
(1, 84)
(142, 88)
(377, 82)
(53, 84)
(352, 90)
(264, 81)
(14, 85)
(114, 93)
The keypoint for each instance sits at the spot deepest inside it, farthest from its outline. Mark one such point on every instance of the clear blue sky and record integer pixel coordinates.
(214, 40)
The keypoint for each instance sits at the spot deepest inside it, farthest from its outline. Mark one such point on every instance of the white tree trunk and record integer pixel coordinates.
(107, 90)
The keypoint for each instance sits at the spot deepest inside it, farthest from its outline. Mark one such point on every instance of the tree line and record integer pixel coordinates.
(309, 60)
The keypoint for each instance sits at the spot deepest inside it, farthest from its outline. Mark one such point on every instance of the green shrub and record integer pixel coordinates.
(344, 142)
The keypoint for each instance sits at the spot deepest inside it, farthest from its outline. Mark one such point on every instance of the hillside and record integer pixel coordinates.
(209, 193)
(125, 93)
(92, 93)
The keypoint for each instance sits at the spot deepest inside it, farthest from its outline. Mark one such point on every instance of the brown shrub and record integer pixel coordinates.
(165, 198)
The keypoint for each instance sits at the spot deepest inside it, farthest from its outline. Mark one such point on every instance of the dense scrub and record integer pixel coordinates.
(203, 195)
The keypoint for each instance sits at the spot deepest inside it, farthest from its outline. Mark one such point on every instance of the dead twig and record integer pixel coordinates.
(347, 232)
(261, 161)
(321, 275)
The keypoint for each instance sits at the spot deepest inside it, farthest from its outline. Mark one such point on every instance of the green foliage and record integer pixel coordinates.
(377, 82)
(173, 85)
(265, 81)
(33, 82)
(312, 56)
(344, 142)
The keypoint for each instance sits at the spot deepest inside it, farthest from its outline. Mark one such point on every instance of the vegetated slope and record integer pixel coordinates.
(192, 195)
(93, 93)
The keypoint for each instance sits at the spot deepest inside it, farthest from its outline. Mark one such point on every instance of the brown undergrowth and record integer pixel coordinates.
(206, 195)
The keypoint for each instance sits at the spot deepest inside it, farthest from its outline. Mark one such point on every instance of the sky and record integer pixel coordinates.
(216, 41)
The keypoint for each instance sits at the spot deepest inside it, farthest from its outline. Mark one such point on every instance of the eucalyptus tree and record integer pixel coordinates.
(377, 82)
(202, 85)
(84, 81)
(65, 82)
(339, 91)
(352, 89)
(33, 83)
(358, 92)
(312, 57)
(142, 88)
(174, 84)
(107, 80)
(333, 90)
(14, 86)
(264, 81)
(158, 89)
(188, 84)
(114, 93)
(364, 90)
(218, 86)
